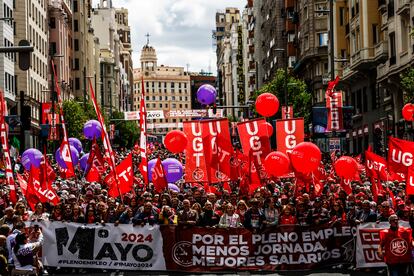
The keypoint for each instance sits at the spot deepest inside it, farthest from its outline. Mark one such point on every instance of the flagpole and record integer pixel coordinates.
(62, 120)
(105, 139)
(143, 134)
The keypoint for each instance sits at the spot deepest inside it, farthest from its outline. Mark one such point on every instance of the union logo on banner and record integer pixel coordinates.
(289, 133)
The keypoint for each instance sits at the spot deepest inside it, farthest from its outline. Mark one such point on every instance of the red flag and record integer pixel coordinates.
(376, 166)
(318, 177)
(400, 155)
(195, 160)
(255, 143)
(289, 133)
(217, 149)
(125, 177)
(109, 154)
(95, 164)
(235, 165)
(331, 87)
(410, 182)
(5, 148)
(158, 177)
(65, 146)
(43, 191)
(143, 138)
(346, 185)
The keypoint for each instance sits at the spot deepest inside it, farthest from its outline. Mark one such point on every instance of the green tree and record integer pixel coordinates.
(128, 130)
(75, 118)
(298, 96)
(407, 82)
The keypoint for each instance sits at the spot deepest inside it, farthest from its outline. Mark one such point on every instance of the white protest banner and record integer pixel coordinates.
(368, 240)
(122, 247)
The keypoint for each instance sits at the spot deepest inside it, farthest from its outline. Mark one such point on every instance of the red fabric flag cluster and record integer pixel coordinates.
(5, 147)
(143, 135)
(158, 177)
(124, 175)
(95, 164)
(65, 146)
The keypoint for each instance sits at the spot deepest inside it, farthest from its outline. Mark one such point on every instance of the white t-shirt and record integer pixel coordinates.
(26, 254)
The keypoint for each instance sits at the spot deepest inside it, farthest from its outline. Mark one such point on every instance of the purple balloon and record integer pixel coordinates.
(83, 162)
(92, 129)
(76, 143)
(173, 187)
(61, 162)
(206, 94)
(173, 169)
(31, 157)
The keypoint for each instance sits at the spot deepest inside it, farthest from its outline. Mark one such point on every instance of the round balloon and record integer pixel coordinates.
(269, 129)
(305, 157)
(408, 112)
(277, 163)
(61, 162)
(206, 94)
(31, 157)
(267, 104)
(76, 143)
(83, 162)
(151, 165)
(173, 187)
(175, 141)
(173, 169)
(346, 167)
(92, 129)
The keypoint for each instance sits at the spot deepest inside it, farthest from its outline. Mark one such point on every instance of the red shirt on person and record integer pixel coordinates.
(397, 245)
(287, 219)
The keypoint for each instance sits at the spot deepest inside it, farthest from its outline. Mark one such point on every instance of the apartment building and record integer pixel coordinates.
(31, 23)
(167, 88)
(7, 76)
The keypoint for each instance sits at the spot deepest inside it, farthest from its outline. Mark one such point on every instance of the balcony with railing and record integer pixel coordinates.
(382, 6)
(403, 6)
(363, 59)
(381, 51)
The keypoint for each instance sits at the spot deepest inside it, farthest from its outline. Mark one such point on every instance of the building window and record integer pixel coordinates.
(76, 44)
(76, 64)
(341, 16)
(77, 83)
(375, 34)
(76, 25)
(392, 49)
(75, 6)
(323, 39)
(52, 23)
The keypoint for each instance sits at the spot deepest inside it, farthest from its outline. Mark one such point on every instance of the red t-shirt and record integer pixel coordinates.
(397, 245)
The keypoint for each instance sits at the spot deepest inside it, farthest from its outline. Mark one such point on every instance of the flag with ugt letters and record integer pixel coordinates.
(125, 176)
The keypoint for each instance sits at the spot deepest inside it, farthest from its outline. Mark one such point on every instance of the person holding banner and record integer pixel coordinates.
(395, 247)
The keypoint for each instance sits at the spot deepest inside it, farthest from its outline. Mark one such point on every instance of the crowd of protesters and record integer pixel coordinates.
(276, 203)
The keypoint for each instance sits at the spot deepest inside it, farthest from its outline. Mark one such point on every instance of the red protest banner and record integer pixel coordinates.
(289, 133)
(400, 155)
(255, 143)
(276, 248)
(195, 160)
(287, 112)
(218, 149)
(335, 116)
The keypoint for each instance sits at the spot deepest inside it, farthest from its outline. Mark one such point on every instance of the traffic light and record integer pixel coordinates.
(24, 56)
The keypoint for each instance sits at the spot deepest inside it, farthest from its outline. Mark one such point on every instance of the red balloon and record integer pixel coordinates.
(176, 141)
(267, 104)
(305, 157)
(277, 164)
(346, 167)
(269, 129)
(408, 112)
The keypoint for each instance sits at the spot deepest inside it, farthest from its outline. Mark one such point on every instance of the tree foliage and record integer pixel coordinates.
(77, 114)
(407, 82)
(298, 96)
(128, 131)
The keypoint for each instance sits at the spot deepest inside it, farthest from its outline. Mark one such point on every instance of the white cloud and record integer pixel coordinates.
(180, 30)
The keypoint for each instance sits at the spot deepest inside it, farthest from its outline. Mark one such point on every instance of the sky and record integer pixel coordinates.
(180, 30)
